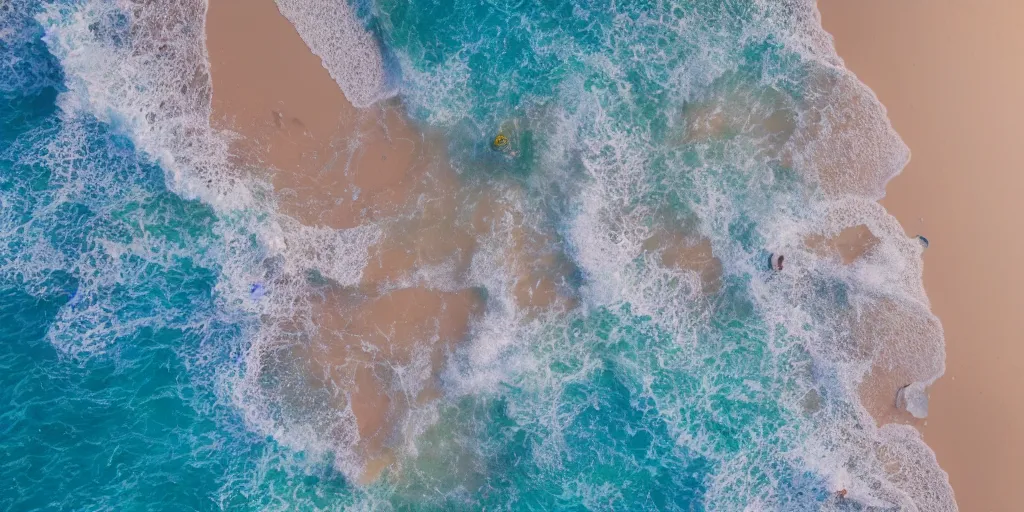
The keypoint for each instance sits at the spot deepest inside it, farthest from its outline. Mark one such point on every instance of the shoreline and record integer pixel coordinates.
(949, 77)
(292, 117)
(336, 166)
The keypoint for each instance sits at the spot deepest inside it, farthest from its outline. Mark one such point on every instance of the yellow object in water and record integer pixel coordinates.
(500, 141)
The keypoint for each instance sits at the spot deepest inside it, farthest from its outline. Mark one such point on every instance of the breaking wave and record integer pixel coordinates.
(159, 307)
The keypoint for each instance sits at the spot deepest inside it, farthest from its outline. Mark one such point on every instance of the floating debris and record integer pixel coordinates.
(500, 142)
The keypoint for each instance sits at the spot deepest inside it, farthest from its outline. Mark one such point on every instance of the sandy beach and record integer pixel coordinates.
(476, 255)
(335, 166)
(291, 116)
(950, 75)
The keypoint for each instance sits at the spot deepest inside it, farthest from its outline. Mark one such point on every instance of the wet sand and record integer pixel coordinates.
(332, 165)
(343, 166)
(950, 75)
(335, 166)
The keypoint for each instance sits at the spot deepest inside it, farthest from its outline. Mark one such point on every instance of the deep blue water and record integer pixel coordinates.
(123, 342)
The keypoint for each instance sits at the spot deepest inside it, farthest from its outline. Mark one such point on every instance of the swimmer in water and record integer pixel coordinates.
(775, 262)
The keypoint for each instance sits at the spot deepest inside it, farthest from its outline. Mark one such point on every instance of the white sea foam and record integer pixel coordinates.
(443, 88)
(141, 89)
(22, 68)
(154, 86)
(348, 50)
(850, 155)
(142, 69)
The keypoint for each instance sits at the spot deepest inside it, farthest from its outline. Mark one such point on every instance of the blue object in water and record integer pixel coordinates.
(256, 291)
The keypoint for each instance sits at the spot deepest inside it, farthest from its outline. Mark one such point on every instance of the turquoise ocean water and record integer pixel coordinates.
(129, 344)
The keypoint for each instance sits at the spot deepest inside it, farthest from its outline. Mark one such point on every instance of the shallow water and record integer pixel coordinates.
(583, 320)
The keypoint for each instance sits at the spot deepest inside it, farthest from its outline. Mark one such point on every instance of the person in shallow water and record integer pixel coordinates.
(775, 262)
